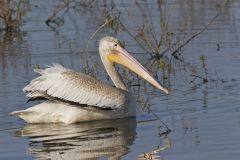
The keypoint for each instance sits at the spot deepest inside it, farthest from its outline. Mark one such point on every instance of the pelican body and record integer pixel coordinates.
(75, 97)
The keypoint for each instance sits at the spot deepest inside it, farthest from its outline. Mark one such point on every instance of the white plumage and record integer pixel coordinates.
(65, 84)
(55, 112)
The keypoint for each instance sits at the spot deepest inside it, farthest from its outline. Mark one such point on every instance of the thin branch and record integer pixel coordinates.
(103, 25)
(198, 33)
(106, 22)
(50, 19)
(133, 36)
(168, 130)
(200, 77)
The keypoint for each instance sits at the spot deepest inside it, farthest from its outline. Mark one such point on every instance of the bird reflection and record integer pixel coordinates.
(89, 140)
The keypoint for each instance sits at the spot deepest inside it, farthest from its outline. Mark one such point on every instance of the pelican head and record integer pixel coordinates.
(111, 51)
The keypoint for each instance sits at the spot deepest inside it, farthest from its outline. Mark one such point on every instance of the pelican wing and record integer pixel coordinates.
(61, 83)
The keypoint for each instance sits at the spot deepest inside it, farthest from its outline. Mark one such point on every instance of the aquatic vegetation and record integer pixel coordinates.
(12, 14)
(152, 30)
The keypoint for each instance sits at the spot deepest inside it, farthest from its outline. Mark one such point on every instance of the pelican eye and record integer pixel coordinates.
(116, 44)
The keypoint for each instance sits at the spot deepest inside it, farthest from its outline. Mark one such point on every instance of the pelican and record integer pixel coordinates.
(75, 97)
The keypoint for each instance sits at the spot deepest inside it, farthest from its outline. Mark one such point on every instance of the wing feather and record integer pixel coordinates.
(59, 82)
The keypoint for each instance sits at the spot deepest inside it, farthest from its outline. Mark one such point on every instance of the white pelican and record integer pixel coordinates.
(75, 97)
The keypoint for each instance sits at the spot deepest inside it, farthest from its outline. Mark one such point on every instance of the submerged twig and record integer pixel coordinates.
(168, 130)
(156, 117)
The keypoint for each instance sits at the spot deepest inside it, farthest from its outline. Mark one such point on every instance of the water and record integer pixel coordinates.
(204, 118)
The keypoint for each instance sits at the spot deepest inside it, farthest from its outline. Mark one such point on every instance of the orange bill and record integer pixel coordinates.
(121, 56)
